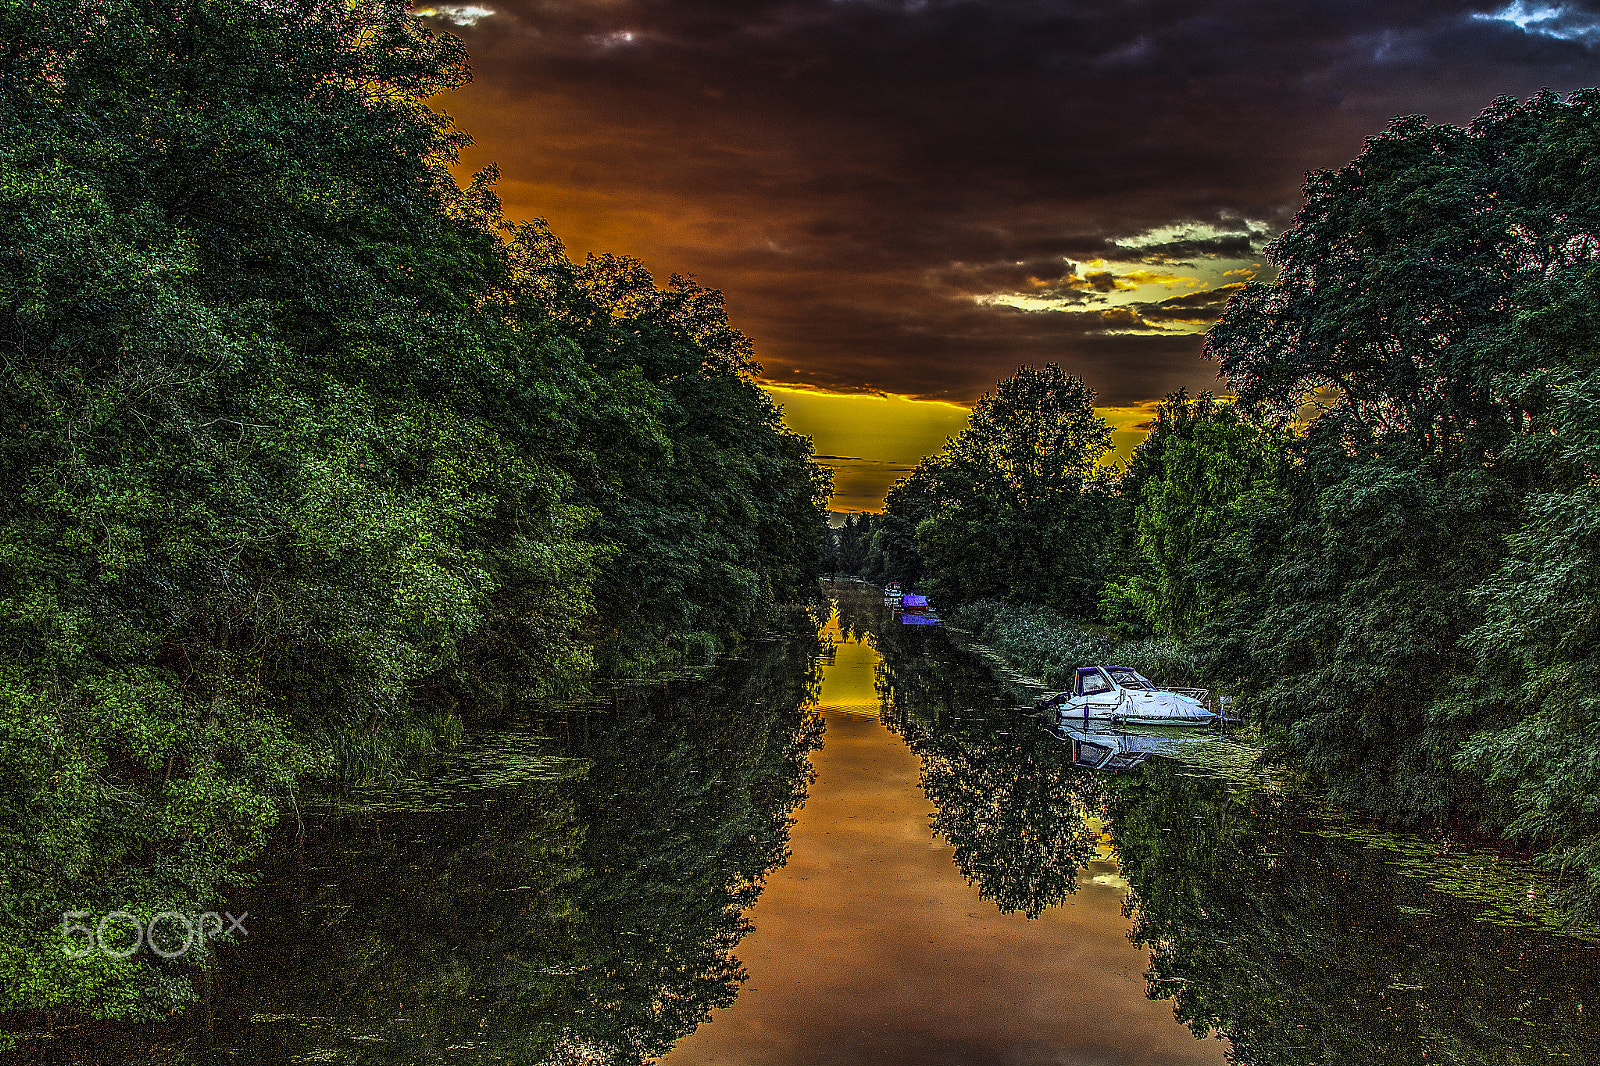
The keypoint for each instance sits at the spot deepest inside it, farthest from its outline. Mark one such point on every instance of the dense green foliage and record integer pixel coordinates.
(1393, 632)
(1013, 506)
(566, 887)
(1185, 484)
(1049, 647)
(308, 455)
(852, 545)
(1268, 922)
(1387, 547)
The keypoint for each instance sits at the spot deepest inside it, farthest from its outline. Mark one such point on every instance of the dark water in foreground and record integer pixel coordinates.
(742, 870)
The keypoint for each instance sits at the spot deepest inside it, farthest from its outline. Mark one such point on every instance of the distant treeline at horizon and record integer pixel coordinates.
(1388, 548)
(310, 458)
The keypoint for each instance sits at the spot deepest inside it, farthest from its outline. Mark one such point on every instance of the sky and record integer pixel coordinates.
(906, 200)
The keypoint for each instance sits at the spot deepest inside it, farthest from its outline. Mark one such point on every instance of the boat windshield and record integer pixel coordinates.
(1091, 683)
(1128, 679)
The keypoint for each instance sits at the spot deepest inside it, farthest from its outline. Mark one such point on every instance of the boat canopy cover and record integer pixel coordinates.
(913, 599)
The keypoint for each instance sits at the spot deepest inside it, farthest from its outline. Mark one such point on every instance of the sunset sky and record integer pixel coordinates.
(905, 200)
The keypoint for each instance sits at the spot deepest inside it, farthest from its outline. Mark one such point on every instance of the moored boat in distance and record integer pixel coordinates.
(1122, 694)
(891, 594)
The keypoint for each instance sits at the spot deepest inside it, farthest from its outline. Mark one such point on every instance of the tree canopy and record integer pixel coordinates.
(1386, 545)
(1013, 505)
(311, 454)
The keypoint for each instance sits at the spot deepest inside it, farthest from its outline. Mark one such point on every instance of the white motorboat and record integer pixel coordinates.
(1122, 694)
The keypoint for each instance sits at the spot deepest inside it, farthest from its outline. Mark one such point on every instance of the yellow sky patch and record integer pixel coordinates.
(871, 441)
(1138, 276)
(1129, 426)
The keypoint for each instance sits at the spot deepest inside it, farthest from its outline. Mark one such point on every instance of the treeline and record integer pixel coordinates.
(1389, 546)
(308, 455)
(851, 546)
(528, 897)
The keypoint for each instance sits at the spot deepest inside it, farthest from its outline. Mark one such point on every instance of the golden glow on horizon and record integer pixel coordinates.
(1129, 426)
(871, 441)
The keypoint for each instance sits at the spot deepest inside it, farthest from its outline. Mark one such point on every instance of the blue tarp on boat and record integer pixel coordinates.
(914, 600)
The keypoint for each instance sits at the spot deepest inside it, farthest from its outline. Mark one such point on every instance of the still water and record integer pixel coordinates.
(861, 851)
(870, 946)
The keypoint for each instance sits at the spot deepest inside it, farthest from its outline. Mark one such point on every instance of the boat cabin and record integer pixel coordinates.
(1093, 680)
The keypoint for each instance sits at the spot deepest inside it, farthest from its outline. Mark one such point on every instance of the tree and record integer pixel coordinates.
(855, 538)
(312, 455)
(1393, 329)
(1538, 750)
(892, 554)
(715, 509)
(1012, 506)
(1185, 478)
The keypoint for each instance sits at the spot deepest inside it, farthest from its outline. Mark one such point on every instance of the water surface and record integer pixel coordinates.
(870, 946)
(868, 855)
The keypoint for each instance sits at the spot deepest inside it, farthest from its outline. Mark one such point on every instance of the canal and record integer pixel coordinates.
(870, 946)
(856, 847)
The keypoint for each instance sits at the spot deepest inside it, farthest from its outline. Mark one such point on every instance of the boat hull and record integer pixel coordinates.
(1153, 710)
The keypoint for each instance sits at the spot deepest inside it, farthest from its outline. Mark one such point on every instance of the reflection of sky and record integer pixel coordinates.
(868, 946)
(848, 680)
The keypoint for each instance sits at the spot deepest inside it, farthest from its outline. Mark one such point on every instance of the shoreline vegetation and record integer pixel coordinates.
(1502, 878)
(314, 461)
(1385, 546)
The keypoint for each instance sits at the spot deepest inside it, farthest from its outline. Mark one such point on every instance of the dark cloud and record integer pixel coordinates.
(1190, 307)
(858, 176)
(1223, 246)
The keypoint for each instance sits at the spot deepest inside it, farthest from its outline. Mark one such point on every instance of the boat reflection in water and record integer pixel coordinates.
(1097, 746)
(915, 610)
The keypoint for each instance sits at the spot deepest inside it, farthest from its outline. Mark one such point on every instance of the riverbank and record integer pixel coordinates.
(1029, 644)
(1045, 644)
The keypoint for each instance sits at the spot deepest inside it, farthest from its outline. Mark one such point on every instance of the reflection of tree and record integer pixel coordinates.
(1307, 949)
(586, 917)
(860, 610)
(1014, 812)
(1302, 949)
(1004, 792)
(689, 805)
